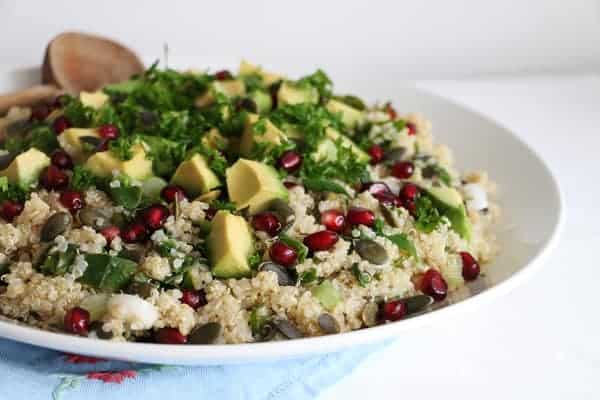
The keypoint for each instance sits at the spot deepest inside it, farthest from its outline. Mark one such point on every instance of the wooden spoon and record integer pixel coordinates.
(76, 62)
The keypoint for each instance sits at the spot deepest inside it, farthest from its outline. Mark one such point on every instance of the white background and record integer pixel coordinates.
(536, 66)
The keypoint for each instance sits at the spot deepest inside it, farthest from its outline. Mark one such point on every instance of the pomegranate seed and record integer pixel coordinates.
(40, 112)
(266, 222)
(360, 216)
(223, 75)
(77, 321)
(62, 159)
(283, 254)
(60, 124)
(10, 210)
(471, 269)
(391, 111)
(110, 233)
(170, 336)
(412, 128)
(409, 191)
(72, 200)
(108, 131)
(376, 188)
(171, 192)
(193, 298)
(289, 184)
(333, 220)
(60, 101)
(403, 169)
(290, 161)
(434, 285)
(210, 213)
(376, 153)
(320, 241)
(155, 216)
(394, 310)
(389, 200)
(53, 178)
(135, 232)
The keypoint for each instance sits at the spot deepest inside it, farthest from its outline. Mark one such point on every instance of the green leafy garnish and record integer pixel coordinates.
(404, 244)
(121, 147)
(363, 278)
(254, 260)
(78, 114)
(258, 318)
(58, 264)
(41, 137)
(323, 185)
(320, 81)
(164, 248)
(108, 273)
(378, 227)
(128, 196)
(9, 191)
(427, 215)
(308, 276)
(297, 245)
(83, 179)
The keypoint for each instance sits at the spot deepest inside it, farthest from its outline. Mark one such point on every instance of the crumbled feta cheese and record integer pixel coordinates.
(475, 196)
(133, 310)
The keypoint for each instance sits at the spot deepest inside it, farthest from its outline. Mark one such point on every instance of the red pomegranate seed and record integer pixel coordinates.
(376, 188)
(471, 269)
(72, 200)
(77, 321)
(60, 101)
(60, 124)
(412, 128)
(283, 254)
(170, 336)
(135, 232)
(403, 169)
(394, 310)
(266, 222)
(333, 220)
(170, 192)
(155, 216)
(210, 213)
(391, 111)
(40, 112)
(223, 75)
(321, 241)
(360, 216)
(10, 210)
(389, 200)
(194, 298)
(52, 178)
(289, 184)
(434, 285)
(61, 159)
(290, 161)
(409, 191)
(376, 153)
(109, 132)
(110, 233)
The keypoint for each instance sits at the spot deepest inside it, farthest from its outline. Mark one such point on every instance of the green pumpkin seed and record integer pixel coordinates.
(205, 334)
(284, 277)
(18, 127)
(417, 303)
(96, 327)
(328, 324)
(142, 289)
(388, 215)
(268, 332)
(284, 212)
(94, 217)
(133, 252)
(55, 225)
(370, 314)
(5, 160)
(93, 141)
(371, 251)
(396, 154)
(287, 329)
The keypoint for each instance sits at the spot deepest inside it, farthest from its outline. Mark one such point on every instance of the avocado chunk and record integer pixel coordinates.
(290, 93)
(450, 204)
(70, 141)
(272, 135)
(351, 117)
(195, 177)
(215, 140)
(248, 69)
(104, 163)
(327, 295)
(230, 88)
(230, 244)
(327, 149)
(192, 278)
(253, 184)
(26, 168)
(263, 101)
(93, 99)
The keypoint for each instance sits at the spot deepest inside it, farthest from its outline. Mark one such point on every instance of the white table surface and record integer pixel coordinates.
(542, 341)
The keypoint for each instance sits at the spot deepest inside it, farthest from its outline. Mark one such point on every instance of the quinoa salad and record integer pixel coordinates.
(198, 208)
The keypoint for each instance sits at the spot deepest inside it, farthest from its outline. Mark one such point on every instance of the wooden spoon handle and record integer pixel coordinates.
(28, 97)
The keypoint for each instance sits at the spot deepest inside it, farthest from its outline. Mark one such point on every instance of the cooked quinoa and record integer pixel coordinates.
(212, 208)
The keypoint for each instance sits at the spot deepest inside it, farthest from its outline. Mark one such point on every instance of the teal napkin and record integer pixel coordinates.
(33, 373)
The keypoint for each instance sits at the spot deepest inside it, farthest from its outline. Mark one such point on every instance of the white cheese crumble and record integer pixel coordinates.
(133, 310)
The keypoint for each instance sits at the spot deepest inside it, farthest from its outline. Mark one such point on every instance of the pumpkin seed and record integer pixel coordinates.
(371, 251)
(328, 324)
(133, 252)
(268, 332)
(429, 172)
(118, 219)
(388, 215)
(205, 334)
(417, 303)
(284, 277)
(96, 326)
(396, 154)
(142, 289)
(93, 141)
(284, 212)
(40, 254)
(94, 217)
(5, 160)
(55, 225)
(287, 329)
(370, 314)
(18, 127)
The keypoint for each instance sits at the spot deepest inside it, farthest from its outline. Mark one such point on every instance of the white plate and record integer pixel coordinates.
(533, 216)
